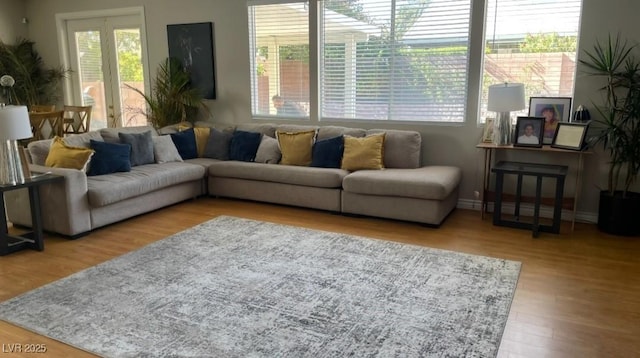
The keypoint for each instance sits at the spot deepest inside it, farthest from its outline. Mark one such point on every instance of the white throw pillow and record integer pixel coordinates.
(164, 150)
(268, 151)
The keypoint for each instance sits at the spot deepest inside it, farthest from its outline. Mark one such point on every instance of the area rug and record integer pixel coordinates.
(233, 287)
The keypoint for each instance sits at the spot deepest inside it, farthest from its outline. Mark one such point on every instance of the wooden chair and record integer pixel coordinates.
(42, 108)
(46, 125)
(77, 119)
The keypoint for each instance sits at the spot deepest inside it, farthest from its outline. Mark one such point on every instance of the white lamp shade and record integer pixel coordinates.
(506, 97)
(14, 123)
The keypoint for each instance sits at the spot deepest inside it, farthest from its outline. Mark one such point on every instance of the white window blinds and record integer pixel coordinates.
(279, 44)
(394, 60)
(532, 42)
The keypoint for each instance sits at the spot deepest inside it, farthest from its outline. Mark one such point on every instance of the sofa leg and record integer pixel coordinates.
(77, 236)
(431, 226)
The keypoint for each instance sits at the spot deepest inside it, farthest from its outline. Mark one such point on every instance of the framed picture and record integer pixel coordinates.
(487, 133)
(553, 110)
(192, 44)
(570, 136)
(529, 131)
(24, 162)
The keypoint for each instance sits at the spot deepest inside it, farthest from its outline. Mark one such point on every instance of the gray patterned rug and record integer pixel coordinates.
(240, 288)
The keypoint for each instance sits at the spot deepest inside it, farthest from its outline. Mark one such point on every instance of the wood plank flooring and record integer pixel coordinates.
(578, 294)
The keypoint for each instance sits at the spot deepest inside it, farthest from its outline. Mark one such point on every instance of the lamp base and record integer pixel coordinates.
(11, 167)
(502, 129)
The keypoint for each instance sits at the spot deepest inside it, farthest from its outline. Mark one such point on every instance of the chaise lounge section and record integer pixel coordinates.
(404, 190)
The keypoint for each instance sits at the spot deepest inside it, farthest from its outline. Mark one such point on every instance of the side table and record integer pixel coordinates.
(33, 239)
(490, 151)
(559, 172)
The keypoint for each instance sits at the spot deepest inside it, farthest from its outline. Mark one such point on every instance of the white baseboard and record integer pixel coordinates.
(526, 209)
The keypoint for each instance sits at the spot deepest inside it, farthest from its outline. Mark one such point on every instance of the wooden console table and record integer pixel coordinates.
(490, 148)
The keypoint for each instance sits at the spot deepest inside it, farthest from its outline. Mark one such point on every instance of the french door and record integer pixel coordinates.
(106, 56)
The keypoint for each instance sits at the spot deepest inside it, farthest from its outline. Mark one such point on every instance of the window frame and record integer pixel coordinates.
(481, 113)
(474, 77)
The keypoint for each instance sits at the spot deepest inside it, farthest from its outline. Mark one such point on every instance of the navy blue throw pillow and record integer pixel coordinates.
(327, 153)
(244, 146)
(109, 158)
(185, 142)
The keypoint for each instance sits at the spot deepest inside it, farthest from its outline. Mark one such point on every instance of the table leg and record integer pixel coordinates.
(557, 210)
(485, 181)
(4, 229)
(536, 208)
(36, 218)
(497, 206)
(577, 191)
(516, 213)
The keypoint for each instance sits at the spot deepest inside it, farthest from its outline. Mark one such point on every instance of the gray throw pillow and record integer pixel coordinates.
(164, 150)
(141, 147)
(268, 151)
(218, 145)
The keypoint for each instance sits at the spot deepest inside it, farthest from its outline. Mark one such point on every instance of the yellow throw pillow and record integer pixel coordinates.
(63, 156)
(296, 147)
(202, 136)
(363, 153)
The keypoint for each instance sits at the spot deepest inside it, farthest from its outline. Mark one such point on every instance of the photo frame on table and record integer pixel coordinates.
(24, 162)
(529, 132)
(554, 110)
(192, 45)
(487, 133)
(570, 136)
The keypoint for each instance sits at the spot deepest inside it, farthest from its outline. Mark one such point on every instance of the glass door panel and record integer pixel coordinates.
(130, 74)
(106, 60)
(89, 52)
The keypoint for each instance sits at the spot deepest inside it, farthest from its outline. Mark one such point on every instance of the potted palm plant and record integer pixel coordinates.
(34, 82)
(172, 99)
(618, 121)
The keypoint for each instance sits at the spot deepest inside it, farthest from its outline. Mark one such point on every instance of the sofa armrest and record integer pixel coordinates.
(64, 204)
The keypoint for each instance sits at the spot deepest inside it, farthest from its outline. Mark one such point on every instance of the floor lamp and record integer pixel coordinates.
(504, 98)
(14, 125)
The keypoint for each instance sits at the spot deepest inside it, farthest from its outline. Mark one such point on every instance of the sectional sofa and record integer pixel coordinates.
(403, 190)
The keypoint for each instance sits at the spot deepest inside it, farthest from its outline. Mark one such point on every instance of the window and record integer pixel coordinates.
(532, 42)
(401, 60)
(279, 36)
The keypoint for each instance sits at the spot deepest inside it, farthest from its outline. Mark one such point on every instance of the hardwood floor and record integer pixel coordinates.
(578, 294)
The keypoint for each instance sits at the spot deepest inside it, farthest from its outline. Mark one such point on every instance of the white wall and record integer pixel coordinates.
(11, 14)
(442, 144)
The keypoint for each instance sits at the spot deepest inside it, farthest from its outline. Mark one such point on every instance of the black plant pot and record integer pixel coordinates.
(618, 215)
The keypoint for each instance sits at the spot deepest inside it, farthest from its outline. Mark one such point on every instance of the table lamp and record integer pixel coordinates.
(504, 98)
(14, 125)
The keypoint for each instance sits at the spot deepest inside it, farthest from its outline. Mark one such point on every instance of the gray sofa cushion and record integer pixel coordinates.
(432, 183)
(141, 147)
(164, 150)
(219, 126)
(38, 150)
(83, 139)
(268, 151)
(294, 128)
(217, 146)
(326, 132)
(111, 134)
(112, 188)
(401, 148)
(264, 128)
(286, 174)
